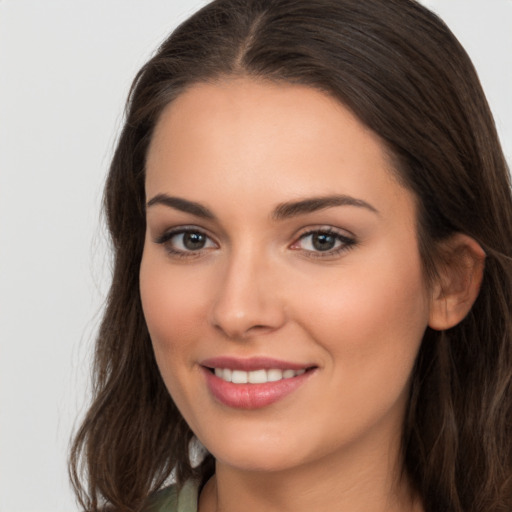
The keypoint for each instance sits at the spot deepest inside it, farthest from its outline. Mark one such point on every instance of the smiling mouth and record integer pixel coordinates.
(256, 376)
(253, 383)
(262, 376)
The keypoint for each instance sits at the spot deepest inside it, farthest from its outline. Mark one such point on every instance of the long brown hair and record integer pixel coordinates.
(403, 73)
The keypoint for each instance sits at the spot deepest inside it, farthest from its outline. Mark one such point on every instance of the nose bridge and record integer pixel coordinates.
(246, 300)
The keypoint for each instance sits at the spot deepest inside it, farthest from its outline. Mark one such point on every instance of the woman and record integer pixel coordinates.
(311, 219)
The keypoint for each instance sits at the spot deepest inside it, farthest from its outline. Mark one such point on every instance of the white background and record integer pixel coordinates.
(65, 69)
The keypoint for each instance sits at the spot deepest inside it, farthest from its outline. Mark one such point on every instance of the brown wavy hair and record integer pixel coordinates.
(405, 76)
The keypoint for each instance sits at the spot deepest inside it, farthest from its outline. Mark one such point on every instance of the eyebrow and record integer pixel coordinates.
(181, 204)
(313, 204)
(281, 212)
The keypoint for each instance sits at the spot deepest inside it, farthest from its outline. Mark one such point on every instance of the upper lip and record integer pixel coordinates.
(252, 363)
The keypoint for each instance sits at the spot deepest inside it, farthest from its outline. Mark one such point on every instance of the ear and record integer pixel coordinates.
(460, 273)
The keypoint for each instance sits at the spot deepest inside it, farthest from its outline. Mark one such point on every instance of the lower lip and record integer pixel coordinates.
(252, 396)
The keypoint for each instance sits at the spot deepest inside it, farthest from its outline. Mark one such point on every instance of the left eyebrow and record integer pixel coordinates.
(313, 204)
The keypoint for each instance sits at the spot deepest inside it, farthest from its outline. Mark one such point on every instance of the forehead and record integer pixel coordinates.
(246, 137)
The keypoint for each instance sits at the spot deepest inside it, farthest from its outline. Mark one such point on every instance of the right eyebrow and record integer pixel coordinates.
(181, 204)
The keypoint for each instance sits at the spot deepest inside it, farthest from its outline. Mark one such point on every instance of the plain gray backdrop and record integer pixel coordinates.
(65, 70)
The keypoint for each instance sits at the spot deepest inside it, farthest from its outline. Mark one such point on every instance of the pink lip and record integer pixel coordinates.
(252, 396)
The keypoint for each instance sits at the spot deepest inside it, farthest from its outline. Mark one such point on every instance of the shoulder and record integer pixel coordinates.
(173, 499)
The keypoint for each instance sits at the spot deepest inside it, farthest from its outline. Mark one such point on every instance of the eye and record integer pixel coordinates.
(325, 241)
(185, 241)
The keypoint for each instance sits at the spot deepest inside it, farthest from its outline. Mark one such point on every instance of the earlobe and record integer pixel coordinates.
(460, 276)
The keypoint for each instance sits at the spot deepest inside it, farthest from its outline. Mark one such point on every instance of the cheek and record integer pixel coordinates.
(173, 305)
(371, 319)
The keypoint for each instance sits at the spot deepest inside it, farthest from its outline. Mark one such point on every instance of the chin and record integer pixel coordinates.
(257, 461)
(249, 452)
(265, 453)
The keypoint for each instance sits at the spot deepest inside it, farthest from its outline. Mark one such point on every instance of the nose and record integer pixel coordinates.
(247, 301)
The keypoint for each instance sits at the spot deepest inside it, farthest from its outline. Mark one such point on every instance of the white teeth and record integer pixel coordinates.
(224, 373)
(239, 377)
(274, 374)
(256, 376)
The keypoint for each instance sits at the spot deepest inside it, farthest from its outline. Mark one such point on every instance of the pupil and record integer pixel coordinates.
(323, 242)
(194, 241)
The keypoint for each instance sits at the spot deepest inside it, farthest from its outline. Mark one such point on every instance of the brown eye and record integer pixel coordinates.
(186, 241)
(193, 241)
(323, 241)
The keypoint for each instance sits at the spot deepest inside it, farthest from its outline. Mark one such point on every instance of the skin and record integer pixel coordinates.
(259, 287)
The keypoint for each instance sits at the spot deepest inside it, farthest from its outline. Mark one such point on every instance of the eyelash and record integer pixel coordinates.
(346, 242)
(166, 238)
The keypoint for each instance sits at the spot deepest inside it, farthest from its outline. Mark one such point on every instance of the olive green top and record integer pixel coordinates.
(170, 500)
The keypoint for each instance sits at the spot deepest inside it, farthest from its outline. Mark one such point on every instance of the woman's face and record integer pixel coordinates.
(280, 250)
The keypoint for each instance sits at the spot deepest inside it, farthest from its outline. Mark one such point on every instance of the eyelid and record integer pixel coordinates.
(182, 228)
(348, 241)
(345, 239)
(165, 238)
